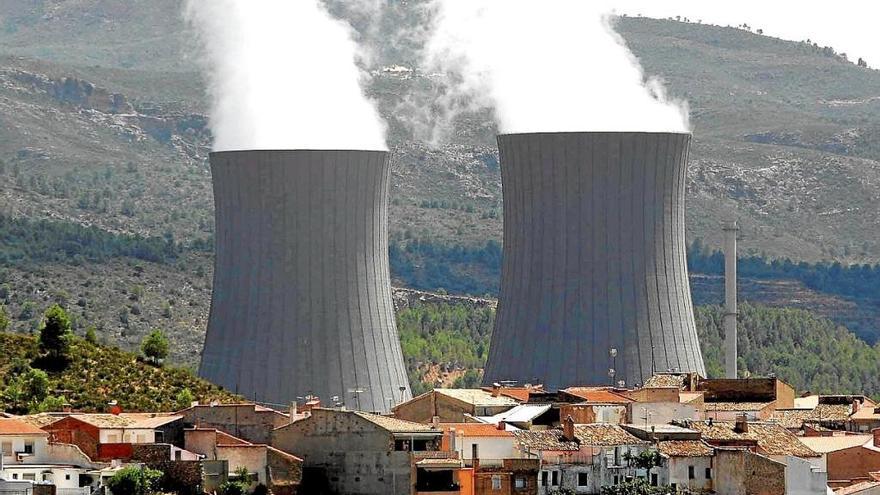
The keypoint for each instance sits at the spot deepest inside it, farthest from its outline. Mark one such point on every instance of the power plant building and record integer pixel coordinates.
(594, 285)
(302, 295)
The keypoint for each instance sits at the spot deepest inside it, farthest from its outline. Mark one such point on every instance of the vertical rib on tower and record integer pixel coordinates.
(302, 295)
(594, 259)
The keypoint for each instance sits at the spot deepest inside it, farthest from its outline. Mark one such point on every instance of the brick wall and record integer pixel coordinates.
(852, 463)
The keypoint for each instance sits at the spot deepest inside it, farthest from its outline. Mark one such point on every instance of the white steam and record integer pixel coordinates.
(283, 74)
(545, 65)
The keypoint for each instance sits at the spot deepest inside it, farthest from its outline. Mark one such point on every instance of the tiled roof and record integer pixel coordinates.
(685, 448)
(771, 438)
(599, 395)
(735, 406)
(600, 434)
(476, 430)
(834, 443)
(477, 397)
(395, 425)
(42, 419)
(663, 380)
(863, 487)
(127, 420)
(795, 418)
(9, 426)
(550, 440)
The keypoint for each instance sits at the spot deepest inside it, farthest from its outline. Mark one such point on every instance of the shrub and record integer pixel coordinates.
(135, 481)
(55, 336)
(155, 346)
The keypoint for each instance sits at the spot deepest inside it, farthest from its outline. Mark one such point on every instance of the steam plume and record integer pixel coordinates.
(283, 74)
(544, 65)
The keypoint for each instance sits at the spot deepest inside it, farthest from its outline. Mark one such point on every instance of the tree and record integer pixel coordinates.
(91, 335)
(135, 480)
(4, 319)
(155, 346)
(184, 398)
(55, 336)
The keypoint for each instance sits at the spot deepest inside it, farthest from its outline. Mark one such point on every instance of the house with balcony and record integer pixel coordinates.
(29, 456)
(583, 458)
(489, 453)
(370, 454)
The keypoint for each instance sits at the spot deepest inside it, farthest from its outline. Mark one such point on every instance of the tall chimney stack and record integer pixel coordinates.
(730, 353)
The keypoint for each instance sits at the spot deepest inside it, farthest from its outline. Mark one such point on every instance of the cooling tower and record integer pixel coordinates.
(594, 260)
(302, 296)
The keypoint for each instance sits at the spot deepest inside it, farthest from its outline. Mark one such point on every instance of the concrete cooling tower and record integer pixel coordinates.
(302, 295)
(594, 260)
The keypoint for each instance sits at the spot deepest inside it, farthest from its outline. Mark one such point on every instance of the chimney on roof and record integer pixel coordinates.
(501, 425)
(496, 390)
(876, 433)
(293, 411)
(856, 405)
(568, 429)
(435, 422)
(742, 424)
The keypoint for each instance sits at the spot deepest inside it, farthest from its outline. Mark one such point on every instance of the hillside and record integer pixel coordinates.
(98, 374)
(102, 124)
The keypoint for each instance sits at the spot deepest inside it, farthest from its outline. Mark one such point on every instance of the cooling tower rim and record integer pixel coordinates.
(595, 133)
(295, 152)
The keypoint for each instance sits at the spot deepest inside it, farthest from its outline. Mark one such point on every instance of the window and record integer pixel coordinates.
(15, 476)
(112, 438)
(555, 478)
(496, 482)
(544, 475)
(29, 476)
(691, 473)
(67, 477)
(583, 479)
(28, 446)
(654, 480)
(519, 483)
(708, 473)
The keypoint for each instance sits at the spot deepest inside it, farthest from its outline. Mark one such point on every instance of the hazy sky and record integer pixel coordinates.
(850, 26)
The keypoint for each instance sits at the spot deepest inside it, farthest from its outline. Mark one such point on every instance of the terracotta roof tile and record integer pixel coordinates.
(477, 397)
(476, 429)
(598, 394)
(547, 440)
(663, 380)
(864, 486)
(9, 426)
(823, 413)
(685, 448)
(735, 406)
(394, 425)
(771, 438)
(600, 434)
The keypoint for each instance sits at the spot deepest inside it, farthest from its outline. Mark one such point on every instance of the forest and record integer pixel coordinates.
(810, 353)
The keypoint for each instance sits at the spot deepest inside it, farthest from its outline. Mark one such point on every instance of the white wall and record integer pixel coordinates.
(488, 448)
(127, 435)
(678, 472)
(60, 477)
(18, 442)
(804, 478)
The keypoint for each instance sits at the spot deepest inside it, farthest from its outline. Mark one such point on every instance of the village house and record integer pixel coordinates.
(495, 463)
(280, 471)
(661, 405)
(364, 453)
(104, 437)
(848, 459)
(804, 471)
(583, 458)
(451, 405)
(247, 421)
(524, 417)
(687, 461)
(756, 398)
(739, 471)
(29, 456)
(826, 412)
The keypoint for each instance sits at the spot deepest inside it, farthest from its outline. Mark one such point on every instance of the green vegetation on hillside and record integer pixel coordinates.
(454, 335)
(810, 353)
(96, 375)
(831, 278)
(25, 241)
